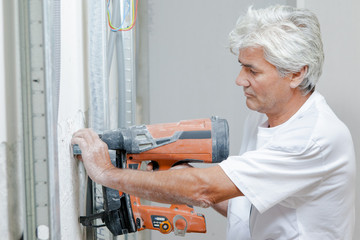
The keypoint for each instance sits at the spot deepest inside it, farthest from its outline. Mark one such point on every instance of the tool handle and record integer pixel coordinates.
(76, 150)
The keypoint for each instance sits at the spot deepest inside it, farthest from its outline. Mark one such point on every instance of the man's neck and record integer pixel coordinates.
(288, 110)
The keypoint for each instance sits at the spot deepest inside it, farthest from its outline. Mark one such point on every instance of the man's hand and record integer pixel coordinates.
(95, 155)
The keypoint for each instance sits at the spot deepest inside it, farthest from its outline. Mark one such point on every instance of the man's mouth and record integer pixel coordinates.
(248, 94)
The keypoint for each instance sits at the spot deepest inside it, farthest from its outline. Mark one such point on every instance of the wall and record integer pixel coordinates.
(3, 154)
(11, 209)
(192, 72)
(2, 78)
(340, 81)
(73, 105)
(191, 75)
(72, 116)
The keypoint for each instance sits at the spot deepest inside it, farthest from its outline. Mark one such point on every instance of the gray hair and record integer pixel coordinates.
(290, 38)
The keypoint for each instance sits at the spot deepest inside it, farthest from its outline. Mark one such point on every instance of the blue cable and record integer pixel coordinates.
(125, 15)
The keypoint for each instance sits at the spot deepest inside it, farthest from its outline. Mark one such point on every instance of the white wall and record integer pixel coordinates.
(11, 209)
(2, 79)
(3, 180)
(72, 108)
(340, 82)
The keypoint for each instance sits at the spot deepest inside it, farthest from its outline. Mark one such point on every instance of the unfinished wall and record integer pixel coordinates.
(71, 118)
(3, 138)
(72, 114)
(11, 209)
(72, 110)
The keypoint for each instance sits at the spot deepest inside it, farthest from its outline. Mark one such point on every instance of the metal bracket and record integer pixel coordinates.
(88, 220)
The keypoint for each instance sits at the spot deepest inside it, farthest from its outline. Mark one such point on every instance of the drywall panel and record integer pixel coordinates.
(192, 72)
(339, 82)
(72, 108)
(3, 155)
(4, 227)
(2, 79)
(11, 209)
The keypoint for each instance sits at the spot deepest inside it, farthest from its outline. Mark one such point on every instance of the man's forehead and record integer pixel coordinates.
(252, 56)
(251, 53)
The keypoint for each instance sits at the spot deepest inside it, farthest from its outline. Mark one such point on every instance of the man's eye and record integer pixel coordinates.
(253, 72)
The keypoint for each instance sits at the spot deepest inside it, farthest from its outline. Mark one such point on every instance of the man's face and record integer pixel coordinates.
(265, 90)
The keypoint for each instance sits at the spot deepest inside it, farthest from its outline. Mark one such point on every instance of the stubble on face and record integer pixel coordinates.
(266, 90)
(262, 83)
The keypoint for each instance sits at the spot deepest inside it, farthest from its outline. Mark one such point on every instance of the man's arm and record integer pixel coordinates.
(221, 207)
(202, 187)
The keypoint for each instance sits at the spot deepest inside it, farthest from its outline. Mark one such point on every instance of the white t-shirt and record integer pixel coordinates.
(298, 178)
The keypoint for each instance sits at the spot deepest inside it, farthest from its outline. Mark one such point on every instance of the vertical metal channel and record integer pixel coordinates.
(120, 60)
(98, 80)
(26, 91)
(99, 88)
(52, 54)
(123, 44)
(125, 55)
(126, 52)
(40, 66)
(99, 68)
(35, 121)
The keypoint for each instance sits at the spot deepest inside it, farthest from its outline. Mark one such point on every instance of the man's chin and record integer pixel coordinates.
(250, 104)
(254, 107)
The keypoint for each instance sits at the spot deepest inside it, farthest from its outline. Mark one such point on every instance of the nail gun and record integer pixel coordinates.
(166, 145)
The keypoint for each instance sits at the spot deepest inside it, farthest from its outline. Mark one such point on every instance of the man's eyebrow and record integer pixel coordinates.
(247, 65)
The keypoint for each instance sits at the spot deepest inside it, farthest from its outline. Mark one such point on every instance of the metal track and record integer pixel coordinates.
(125, 81)
(33, 91)
(39, 126)
(130, 78)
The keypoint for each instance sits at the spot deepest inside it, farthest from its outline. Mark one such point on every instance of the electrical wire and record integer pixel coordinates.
(125, 15)
(133, 17)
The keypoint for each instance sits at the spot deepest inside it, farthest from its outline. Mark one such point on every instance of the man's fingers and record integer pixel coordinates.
(81, 142)
(85, 137)
(94, 153)
(86, 133)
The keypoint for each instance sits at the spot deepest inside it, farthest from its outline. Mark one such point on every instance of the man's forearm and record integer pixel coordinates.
(202, 187)
(199, 187)
(162, 186)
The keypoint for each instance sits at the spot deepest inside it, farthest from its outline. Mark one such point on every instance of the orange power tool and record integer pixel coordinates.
(166, 145)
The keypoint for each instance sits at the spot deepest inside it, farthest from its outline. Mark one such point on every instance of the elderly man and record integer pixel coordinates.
(295, 175)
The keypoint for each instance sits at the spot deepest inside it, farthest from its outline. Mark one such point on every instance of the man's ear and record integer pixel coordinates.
(298, 77)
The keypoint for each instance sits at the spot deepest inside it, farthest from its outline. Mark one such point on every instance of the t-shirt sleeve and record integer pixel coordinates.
(269, 175)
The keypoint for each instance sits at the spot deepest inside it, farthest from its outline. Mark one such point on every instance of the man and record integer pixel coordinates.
(295, 175)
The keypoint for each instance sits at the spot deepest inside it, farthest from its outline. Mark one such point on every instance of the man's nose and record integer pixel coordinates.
(241, 79)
